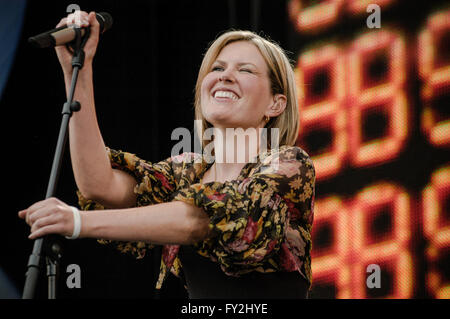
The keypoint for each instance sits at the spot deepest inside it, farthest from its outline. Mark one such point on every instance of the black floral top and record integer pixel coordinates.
(260, 222)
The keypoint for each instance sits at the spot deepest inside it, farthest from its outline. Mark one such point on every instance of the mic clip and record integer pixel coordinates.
(76, 47)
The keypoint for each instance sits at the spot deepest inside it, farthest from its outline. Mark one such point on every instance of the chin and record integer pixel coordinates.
(215, 116)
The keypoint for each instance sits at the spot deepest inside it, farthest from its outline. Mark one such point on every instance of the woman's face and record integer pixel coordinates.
(236, 91)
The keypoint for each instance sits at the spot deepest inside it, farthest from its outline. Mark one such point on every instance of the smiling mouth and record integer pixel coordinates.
(225, 95)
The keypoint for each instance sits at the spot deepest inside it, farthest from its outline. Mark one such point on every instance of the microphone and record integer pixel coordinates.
(66, 34)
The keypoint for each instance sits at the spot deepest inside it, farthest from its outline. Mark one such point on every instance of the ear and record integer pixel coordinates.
(277, 106)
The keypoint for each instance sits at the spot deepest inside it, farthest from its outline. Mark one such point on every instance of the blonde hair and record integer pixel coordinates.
(281, 76)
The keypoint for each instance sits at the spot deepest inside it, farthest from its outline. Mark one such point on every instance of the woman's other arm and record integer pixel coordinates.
(166, 223)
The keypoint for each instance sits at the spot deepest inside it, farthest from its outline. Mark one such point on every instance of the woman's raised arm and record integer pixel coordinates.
(91, 166)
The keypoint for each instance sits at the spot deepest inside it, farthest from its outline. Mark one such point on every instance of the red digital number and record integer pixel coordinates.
(386, 95)
(317, 17)
(393, 250)
(360, 6)
(436, 78)
(340, 109)
(329, 264)
(325, 111)
(314, 17)
(436, 229)
(343, 262)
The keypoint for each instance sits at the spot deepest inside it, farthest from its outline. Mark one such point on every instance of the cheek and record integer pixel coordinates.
(207, 84)
(258, 92)
(205, 89)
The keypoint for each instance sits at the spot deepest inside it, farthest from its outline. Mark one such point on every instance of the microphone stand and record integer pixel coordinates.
(48, 246)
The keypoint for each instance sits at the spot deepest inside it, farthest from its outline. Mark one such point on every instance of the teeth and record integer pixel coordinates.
(227, 94)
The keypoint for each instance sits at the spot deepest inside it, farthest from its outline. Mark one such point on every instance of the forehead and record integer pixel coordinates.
(241, 51)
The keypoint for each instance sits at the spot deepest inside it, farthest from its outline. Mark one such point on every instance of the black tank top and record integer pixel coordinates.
(205, 280)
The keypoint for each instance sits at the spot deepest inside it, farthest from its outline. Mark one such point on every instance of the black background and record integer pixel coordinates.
(144, 76)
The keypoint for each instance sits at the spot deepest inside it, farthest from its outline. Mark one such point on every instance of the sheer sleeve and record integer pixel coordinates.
(253, 220)
(155, 183)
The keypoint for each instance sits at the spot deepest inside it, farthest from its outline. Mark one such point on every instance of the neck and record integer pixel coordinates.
(233, 148)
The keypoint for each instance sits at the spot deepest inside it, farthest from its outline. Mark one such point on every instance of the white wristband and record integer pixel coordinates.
(76, 223)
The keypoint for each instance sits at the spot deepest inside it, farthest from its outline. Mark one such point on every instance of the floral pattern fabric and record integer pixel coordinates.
(259, 222)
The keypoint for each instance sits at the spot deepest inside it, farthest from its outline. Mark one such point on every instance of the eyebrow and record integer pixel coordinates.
(239, 64)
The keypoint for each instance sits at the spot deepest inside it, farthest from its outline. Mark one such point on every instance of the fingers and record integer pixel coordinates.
(62, 22)
(95, 26)
(26, 213)
(79, 18)
(42, 212)
(44, 221)
(48, 216)
(92, 19)
(82, 19)
(46, 230)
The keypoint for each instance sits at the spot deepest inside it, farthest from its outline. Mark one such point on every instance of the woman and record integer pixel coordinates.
(230, 229)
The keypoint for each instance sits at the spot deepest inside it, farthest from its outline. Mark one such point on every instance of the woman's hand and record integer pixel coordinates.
(50, 216)
(81, 19)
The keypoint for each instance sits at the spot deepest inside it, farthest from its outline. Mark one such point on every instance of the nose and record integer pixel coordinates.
(226, 76)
